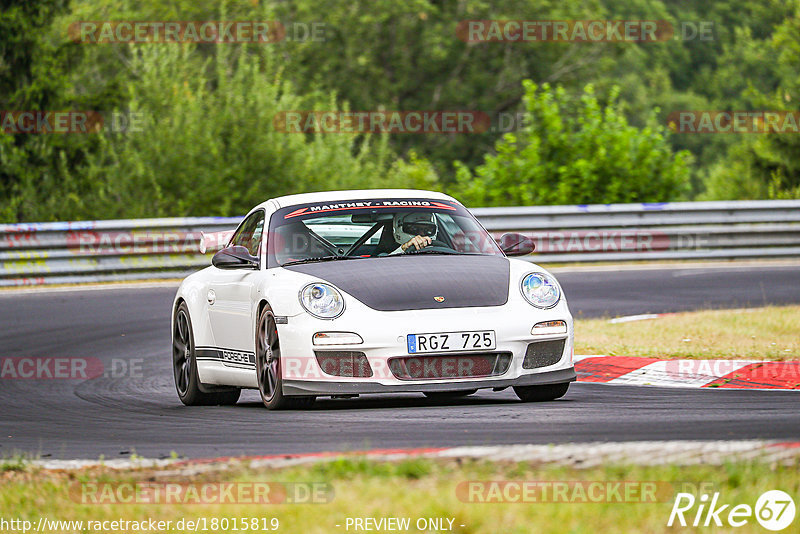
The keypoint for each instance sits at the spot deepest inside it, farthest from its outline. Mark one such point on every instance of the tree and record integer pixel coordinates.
(574, 153)
(208, 145)
(765, 165)
(31, 78)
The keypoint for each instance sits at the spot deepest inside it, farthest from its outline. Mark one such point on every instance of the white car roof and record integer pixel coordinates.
(360, 194)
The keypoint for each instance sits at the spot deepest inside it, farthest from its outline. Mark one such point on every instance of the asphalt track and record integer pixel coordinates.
(139, 411)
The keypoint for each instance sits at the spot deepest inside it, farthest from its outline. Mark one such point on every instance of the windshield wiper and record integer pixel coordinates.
(320, 259)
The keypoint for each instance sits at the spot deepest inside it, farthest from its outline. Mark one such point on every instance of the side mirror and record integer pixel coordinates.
(236, 257)
(516, 244)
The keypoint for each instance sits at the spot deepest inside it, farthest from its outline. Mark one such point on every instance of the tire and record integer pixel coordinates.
(449, 394)
(543, 393)
(268, 366)
(184, 366)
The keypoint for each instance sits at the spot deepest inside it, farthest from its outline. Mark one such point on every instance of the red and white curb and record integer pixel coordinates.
(637, 452)
(580, 455)
(722, 374)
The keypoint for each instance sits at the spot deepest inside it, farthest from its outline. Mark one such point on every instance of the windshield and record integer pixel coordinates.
(374, 229)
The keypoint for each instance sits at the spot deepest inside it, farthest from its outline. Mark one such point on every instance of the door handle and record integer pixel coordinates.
(212, 297)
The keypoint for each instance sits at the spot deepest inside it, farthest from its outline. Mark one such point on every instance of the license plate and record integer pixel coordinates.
(451, 342)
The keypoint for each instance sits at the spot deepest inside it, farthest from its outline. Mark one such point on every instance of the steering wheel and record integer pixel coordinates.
(435, 246)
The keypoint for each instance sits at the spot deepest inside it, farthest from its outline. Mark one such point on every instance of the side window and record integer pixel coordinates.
(255, 241)
(250, 232)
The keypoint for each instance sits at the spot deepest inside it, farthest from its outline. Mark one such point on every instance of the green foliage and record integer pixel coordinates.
(31, 77)
(758, 166)
(23, 52)
(204, 142)
(407, 56)
(350, 468)
(208, 145)
(15, 463)
(766, 165)
(574, 153)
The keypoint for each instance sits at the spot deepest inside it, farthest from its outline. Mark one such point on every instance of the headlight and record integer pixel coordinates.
(322, 301)
(540, 290)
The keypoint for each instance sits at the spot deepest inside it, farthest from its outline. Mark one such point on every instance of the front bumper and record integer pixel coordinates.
(304, 387)
(384, 338)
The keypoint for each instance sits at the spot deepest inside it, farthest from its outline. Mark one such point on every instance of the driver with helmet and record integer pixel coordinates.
(413, 229)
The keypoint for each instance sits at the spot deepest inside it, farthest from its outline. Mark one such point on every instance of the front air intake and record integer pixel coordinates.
(543, 353)
(438, 366)
(344, 363)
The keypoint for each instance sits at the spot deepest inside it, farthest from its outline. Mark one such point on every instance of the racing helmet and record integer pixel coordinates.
(407, 225)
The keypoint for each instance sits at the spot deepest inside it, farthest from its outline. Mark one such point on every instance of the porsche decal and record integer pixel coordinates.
(227, 356)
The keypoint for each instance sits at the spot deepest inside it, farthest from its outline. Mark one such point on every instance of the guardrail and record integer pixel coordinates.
(662, 231)
(92, 251)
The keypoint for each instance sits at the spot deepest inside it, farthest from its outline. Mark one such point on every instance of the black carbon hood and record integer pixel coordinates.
(410, 282)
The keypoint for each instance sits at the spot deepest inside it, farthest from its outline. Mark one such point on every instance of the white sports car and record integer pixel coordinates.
(379, 291)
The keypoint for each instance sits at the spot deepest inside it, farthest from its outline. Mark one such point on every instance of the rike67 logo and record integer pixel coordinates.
(774, 510)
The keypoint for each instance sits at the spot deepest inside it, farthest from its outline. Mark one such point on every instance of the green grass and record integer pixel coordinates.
(769, 333)
(417, 488)
(14, 463)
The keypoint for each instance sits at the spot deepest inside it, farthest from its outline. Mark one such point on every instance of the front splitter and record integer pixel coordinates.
(305, 387)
